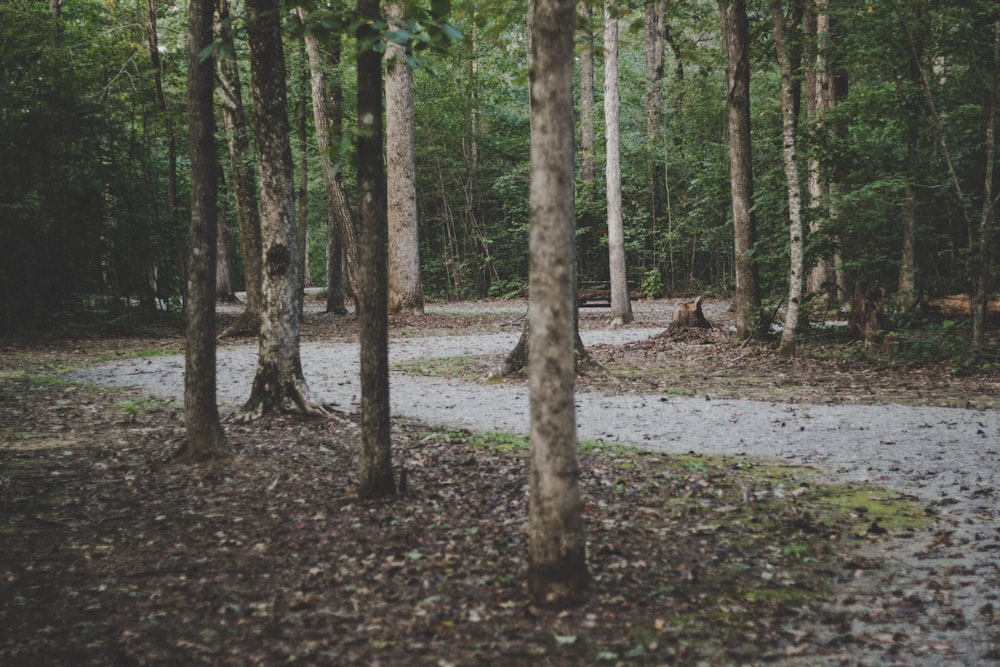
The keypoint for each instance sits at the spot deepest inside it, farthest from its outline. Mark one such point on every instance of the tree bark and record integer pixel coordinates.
(557, 568)
(302, 198)
(278, 380)
(405, 293)
(373, 319)
(796, 244)
(736, 43)
(588, 166)
(335, 189)
(980, 312)
(621, 304)
(205, 438)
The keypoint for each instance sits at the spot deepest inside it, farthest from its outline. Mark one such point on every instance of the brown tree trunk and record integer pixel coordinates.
(302, 217)
(557, 567)
(796, 242)
(868, 321)
(168, 128)
(278, 381)
(205, 438)
(621, 304)
(244, 174)
(736, 43)
(405, 293)
(980, 312)
(373, 319)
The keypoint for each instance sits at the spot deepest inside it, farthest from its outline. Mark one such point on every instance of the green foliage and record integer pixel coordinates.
(652, 284)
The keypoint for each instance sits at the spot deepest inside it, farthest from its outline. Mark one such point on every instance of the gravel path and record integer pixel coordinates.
(940, 606)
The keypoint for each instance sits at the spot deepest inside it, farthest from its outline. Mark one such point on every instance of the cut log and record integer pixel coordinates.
(690, 316)
(868, 321)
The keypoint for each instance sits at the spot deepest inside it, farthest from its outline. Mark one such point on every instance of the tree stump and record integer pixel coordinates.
(690, 316)
(868, 321)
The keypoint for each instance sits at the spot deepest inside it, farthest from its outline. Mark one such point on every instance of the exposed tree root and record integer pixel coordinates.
(247, 324)
(293, 395)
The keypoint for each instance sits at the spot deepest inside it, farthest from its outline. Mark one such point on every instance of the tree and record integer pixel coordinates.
(736, 43)
(339, 208)
(244, 172)
(981, 295)
(405, 294)
(278, 378)
(790, 159)
(373, 318)
(621, 304)
(205, 437)
(557, 568)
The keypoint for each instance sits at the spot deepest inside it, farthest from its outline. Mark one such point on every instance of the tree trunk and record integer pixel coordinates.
(736, 42)
(405, 294)
(168, 128)
(278, 380)
(302, 218)
(621, 304)
(244, 174)
(373, 319)
(335, 189)
(980, 317)
(868, 321)
(796, 245)
(205, 438)
(557, 567)
(588, 166)
(821, 279)
(689, 315)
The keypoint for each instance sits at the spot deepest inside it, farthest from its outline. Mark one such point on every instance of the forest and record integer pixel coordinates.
(893, 105)
(745, 413)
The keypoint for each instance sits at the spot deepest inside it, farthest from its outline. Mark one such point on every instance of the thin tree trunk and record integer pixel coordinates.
(278, 380)
(244, 173)
(621, 304)
(796, 250)
(979, 313)
(168, 128)
(557, 567)
(373, 319)
(205, 438)
(736, 42)
(405, 293)
(335, 189)
(821, 278)
(302, 218)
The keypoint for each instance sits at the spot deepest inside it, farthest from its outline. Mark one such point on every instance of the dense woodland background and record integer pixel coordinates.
(92, 117)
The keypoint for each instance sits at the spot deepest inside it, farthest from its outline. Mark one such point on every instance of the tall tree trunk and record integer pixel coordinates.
(278, 380)
(796, 245)
(405, 293)
(557, 567)
(205, 438)
(223, 265)
(621, 304)
(302, 217)
(736, 43)
(168, 128)
(244, 172)
(335, 189)
(373, 318)
(821, 278)
(980, 309)
(655, 15)
(588, 166)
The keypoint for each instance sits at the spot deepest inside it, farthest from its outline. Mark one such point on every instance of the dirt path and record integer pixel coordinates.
(948, 458)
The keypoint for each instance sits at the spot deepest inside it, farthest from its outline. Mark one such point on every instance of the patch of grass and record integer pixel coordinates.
(468, 367)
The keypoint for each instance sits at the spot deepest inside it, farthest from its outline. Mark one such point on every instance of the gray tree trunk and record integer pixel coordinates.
(335, 189)
(796, 241)
(405, 292)
(621, 304)
(244, 173)
(205, 438)
(557, 568)
(373, 318)
(588, 166)
(736, 43)
(278, 381)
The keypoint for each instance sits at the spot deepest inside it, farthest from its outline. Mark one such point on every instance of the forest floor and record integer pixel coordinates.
(744, 542)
